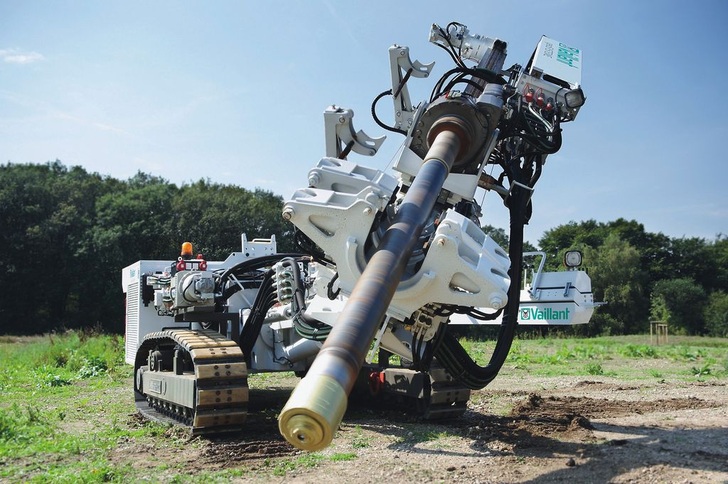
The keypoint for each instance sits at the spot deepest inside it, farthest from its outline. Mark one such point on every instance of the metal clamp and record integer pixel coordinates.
(341, 139)
(402, 68)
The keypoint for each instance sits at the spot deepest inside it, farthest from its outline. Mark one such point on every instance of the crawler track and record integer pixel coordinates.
(197, 379)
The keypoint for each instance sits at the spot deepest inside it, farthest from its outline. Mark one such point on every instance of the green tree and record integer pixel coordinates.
(498, 235)
(655, 252)
(213, 216)
(718, 255)
(692, 258)
(716, 314)
(683, 301)
(557, 240)
(46, 212)
(617, 278)
(501, 238)
(67, 234)
(132, 223)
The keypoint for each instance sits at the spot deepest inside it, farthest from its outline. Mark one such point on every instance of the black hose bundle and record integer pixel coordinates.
(306, 326)
(266, 298)
(247, 269)
(450, 353)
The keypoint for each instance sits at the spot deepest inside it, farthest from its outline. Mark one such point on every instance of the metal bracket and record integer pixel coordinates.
(528, 189)
(341, 139)
(402, 67)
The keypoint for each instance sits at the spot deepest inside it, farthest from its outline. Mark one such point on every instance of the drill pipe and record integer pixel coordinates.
(315, 409)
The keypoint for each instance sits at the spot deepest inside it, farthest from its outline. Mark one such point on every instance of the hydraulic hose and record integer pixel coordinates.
(450, 352)
(305, 325)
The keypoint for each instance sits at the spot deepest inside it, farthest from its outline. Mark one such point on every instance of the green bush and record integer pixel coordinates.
(594, 369)
(638, 351)
(716, 314)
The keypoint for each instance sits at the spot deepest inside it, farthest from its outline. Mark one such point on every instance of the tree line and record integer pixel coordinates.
(646, 276)
(66, 234)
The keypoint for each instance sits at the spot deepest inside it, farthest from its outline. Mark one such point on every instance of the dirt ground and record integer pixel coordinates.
(533, 429)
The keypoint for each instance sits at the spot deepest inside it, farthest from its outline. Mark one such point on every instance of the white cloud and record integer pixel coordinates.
(17, 56)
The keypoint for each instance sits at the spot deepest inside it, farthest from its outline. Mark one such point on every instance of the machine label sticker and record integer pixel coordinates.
(155, 386)
(568, 55)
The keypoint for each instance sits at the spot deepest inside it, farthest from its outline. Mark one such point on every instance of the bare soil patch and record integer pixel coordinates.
(561, 429)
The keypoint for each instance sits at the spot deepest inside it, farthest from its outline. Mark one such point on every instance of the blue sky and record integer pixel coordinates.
(234, 91)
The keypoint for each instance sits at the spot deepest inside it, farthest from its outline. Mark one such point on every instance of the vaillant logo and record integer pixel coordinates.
(535, 314)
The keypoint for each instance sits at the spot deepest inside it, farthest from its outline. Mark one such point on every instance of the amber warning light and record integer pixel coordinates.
(186, 250)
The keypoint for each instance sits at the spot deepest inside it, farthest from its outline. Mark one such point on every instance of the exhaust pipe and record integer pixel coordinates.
(316, 407)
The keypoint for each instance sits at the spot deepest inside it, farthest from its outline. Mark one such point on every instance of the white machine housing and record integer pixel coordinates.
(549, 298)
(277, 347)
(554, 72)
(463, 266)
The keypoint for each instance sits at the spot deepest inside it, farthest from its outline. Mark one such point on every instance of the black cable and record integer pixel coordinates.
(256, 263)
(432, 346)
(388, 92)
(264, 300)
(528, 127)
(451, 354)
(330, 293)
(184, 294)
(415, 350)
(347, 149)
(537, 173)
(308, 246)
(454, 82)
(437, 88)
(244, 279)
(462, 71)
(306, 326)
(450, 309)
(247, 267)
(376, 118)
(403, 82)
(451, 50)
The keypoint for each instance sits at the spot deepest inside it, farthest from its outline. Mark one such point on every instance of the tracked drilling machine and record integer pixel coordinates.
(386, 264)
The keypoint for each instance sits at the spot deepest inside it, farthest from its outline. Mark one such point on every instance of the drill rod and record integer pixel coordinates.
(315, 409)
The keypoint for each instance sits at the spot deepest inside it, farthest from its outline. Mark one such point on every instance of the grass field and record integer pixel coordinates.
(67, 407)
(624, 357)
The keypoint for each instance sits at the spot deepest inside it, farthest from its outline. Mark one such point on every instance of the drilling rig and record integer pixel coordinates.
(386, 263)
